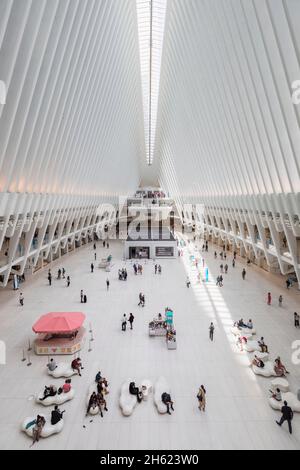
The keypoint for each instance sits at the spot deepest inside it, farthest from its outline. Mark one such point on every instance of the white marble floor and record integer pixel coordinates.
(238, 415)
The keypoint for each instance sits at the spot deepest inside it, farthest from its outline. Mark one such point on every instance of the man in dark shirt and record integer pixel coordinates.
(287, 415)
(56, 415)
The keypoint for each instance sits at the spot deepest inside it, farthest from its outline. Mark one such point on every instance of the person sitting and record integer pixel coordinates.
(280, 369)
(241, 324)
(38, 427)
(258, 363)
(49, 392)
(133, 390)
(56, 415)
(66, 388)
(92, 402)
(263, 346)
(241, 341)
(76, 365)
(276, 395)
(166, 399)
(101, 403)
(52, 365)
(250, 324)
(98, 377)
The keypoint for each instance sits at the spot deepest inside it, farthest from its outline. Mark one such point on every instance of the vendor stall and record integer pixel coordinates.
(160, 326)
(59, 333)
(157, 327)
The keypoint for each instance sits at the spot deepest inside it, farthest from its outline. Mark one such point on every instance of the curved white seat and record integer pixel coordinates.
(47, 430)
(161, 387)
(127, 400)
(242, 332)
(57, 399)
(252, 346)
(280, 383)
(262, 356)
(291, 399)
(94, 410)
(267, 371)
(63, 369)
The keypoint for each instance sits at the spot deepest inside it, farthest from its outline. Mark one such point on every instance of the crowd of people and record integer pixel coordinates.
(97, 398)
(137, 269)
(122, 274)
(52, 391)
(124, 321)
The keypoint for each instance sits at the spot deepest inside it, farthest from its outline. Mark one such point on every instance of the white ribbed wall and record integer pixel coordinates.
(228, 131)
(71, 131)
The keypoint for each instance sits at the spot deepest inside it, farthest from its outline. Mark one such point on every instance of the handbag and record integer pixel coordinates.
(32, 423)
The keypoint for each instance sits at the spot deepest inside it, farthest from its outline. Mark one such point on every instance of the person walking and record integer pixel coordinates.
(233, 263)
(50, 278)
(141, 300)
(21, 299)
(287, 415)
(269, 298)
(131, 320)
(188, 282)
(211, 331)
(201, 395)
(59, 274)
(107, 284)
(244, 274)
(280, 301)
(81, 296)
(95, 256)
(63, 273)
(226, 268)
(155, 269)
(159, 269)
(124, 322)
(107, 245)
(92, 267)
(95, 247)
(296, 320)
(68, 281)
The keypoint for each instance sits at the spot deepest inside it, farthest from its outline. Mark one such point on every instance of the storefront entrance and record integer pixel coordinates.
(139, 252)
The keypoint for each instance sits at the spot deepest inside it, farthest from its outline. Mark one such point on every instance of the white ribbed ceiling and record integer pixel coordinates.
(151, 25)
(73, 122)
